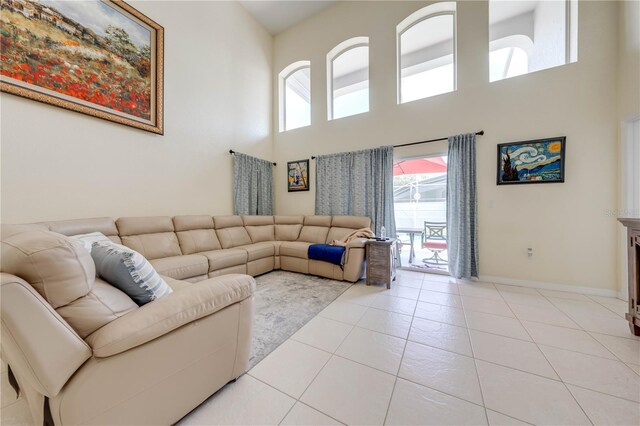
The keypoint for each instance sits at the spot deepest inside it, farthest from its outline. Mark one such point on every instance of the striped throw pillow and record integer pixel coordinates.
(128, 271)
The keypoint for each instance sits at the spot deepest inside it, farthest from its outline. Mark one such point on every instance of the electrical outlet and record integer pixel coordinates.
(530, 252)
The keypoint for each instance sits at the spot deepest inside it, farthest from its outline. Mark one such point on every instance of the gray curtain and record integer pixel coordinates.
(462, 207)
(252, 185)
(357, 183)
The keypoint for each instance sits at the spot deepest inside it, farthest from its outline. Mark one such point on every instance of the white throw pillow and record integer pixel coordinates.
(87, 240)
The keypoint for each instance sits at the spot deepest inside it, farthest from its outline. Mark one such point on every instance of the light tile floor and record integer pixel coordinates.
(433, 350)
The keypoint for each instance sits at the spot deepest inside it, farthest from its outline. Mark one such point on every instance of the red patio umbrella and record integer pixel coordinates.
(419, 165)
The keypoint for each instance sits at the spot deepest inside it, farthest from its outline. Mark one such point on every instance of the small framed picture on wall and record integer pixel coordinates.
(298, 175)
(535, 161)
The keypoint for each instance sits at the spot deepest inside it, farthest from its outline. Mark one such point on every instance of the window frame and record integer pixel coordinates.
(335, 53)
(520, 41)
(283, 76)
(571, 31)
(517, 40)
(417, 17)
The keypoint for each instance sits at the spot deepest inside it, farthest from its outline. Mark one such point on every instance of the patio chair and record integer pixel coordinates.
(434, 239)
(399, 245)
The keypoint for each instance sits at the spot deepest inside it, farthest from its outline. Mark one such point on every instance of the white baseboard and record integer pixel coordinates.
(553, 286)
(624, 294)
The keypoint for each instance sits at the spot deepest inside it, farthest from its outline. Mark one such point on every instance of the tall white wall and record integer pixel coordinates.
(58, 164)
(628, 110)
(568, 225)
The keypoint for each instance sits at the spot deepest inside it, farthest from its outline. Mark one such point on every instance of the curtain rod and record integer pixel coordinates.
(232, 152)
(479, 133)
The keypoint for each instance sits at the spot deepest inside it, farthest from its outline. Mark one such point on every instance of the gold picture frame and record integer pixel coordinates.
(106, 62)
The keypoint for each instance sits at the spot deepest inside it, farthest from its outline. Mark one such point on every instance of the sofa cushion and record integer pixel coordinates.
(152, 237)
(260, 228)
(231, 231)
(288, 227)
(60, 269)
(317, 220)
(103, 304)
(287, 232)
(297, 249)
(257, 220)
(261, 233)
(104, 225)
(183, 307)
(336, 233)
(176, 285)
(288, 220)
(181, 267)
(315, 229)
(191, 222)
(130, 272)
(198, 240)
(314, 234)
(154, 246)
(352, 222)
(196, 234)
(225, 258)
(259, 250)
(144, 225)
(233, 237)
(227, 221)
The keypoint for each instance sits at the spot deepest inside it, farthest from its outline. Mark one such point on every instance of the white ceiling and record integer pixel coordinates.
(277, 16)
(503, 10)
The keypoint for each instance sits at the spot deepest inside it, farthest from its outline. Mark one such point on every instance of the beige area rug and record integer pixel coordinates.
(285, 301)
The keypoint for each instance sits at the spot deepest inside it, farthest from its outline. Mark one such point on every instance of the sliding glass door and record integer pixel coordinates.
(420, 191)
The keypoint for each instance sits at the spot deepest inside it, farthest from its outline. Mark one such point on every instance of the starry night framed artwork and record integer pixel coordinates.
(535, 161)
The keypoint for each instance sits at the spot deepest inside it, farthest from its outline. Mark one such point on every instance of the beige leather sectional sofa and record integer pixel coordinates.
(84, 353)
(197, 247)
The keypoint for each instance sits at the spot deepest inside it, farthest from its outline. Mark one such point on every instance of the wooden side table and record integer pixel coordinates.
(381, 261)
(633, 241)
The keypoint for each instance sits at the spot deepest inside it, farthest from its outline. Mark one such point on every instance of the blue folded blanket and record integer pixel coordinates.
(328, 253)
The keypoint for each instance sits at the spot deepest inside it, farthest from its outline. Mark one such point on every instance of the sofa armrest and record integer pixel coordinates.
(357, 243)
(161, 316)
(41, 347)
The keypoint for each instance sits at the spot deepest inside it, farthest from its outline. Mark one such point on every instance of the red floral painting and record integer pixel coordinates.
(100, 55)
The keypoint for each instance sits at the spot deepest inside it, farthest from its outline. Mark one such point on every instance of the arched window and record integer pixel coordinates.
(531, 36)
(348, 78)
(509, 57)
(427, 52)
(295, 96)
